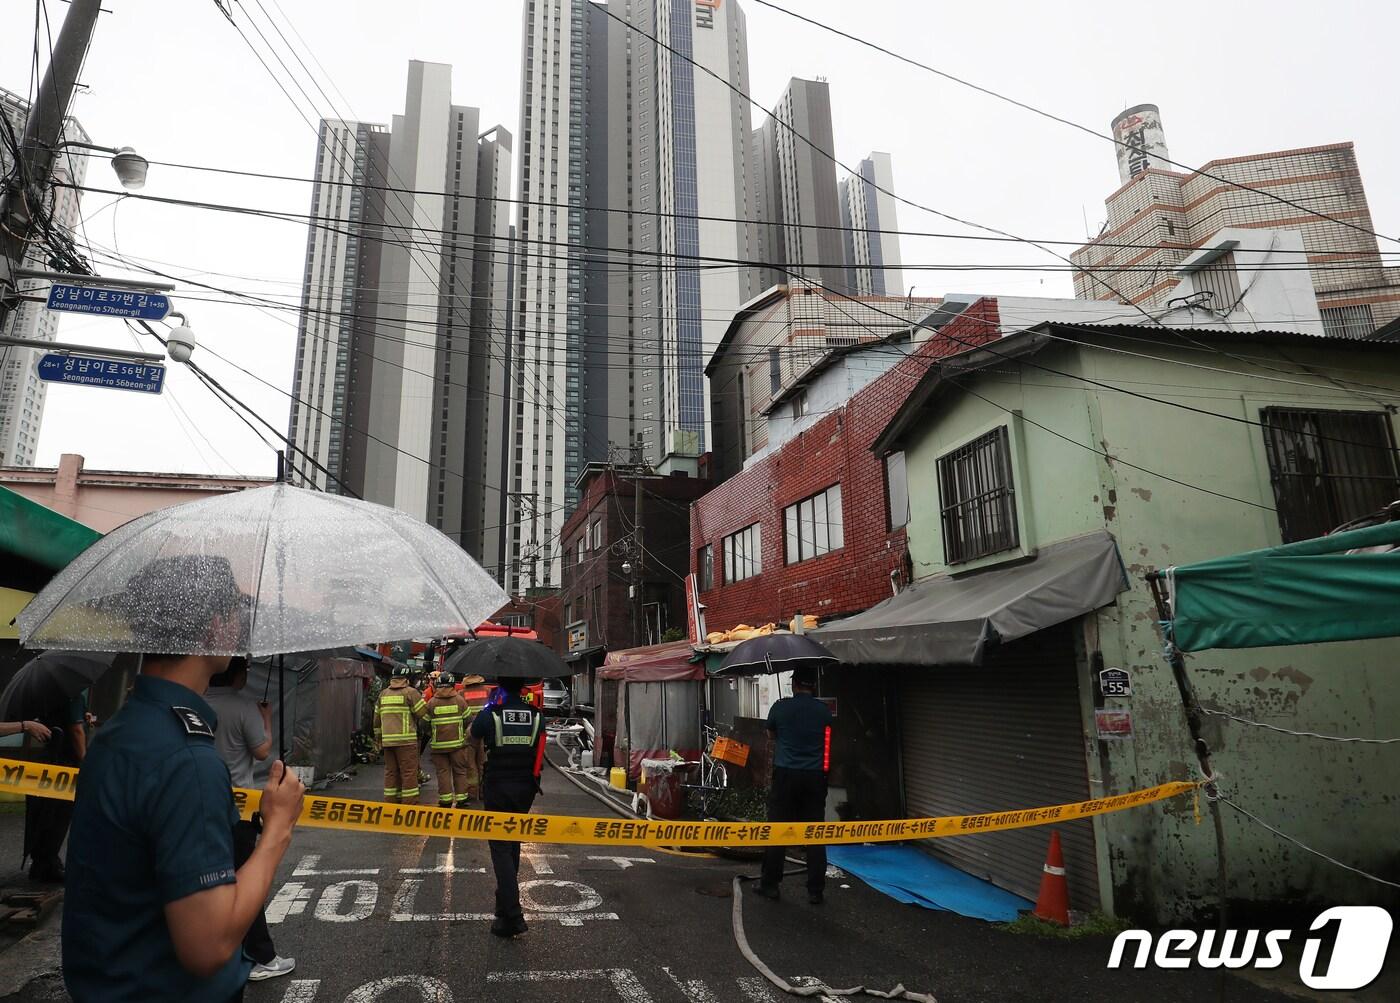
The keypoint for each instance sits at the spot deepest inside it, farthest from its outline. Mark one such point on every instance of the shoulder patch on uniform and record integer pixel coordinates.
(192, 722)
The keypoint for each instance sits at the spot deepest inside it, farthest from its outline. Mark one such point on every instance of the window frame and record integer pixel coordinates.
(743, 546)
(905, 515)
(808, 526)
(952, 470)
(1297, 506)
(705, 567)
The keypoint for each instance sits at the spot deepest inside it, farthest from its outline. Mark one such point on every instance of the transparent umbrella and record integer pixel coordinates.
(267, 571)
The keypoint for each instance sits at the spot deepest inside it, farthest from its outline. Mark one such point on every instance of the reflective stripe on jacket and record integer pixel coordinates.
(447, 712)
(395, 714)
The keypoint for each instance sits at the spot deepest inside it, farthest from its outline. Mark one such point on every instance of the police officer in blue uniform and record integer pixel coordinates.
(512, 732)
(155, 909)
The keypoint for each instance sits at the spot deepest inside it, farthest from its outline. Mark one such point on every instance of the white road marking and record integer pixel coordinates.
(306, 868)
(302, 991)
(588, 898)
(366, 895)
(430, 990)
(629, 988)
(757, 989)
(445, 865)
(623, 862)
(403, 909)
(290, 900)
(695, 991)
(541, 861)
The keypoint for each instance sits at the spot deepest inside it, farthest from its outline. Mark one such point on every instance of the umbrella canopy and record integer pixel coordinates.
(266, 571)
(775, 653)
(51, 679)
(506, 658)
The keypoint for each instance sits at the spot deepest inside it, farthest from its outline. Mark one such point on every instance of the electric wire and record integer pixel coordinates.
(1056, 118)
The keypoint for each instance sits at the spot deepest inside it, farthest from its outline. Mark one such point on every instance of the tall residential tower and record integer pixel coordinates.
(22, 394)
(871, 229)
(626, 147)
(400, 386)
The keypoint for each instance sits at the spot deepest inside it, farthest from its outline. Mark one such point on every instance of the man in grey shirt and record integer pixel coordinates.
(243, 735)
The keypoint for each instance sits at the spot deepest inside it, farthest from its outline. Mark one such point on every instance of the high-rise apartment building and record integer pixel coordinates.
(795, 191)
(871, 229)
(23, 394)
(1158, 217)
(332, 378)
(401, 377)
(624, 146)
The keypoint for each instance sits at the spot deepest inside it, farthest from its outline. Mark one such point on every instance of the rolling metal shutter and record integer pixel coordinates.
(1005, 735)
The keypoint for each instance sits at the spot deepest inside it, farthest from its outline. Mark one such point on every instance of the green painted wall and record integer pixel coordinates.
(1339, 798)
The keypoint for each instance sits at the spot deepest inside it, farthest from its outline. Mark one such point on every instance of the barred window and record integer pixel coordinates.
(1348, 321)
(1328, 467)
(978, 498)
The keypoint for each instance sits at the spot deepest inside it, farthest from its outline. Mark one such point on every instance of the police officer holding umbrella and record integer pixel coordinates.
(512, 733)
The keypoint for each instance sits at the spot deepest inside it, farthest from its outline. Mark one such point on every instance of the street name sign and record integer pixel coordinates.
(132, 303)
(86, 371)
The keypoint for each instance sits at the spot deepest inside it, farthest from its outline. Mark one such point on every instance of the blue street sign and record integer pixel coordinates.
(86, 371)
(109, 302)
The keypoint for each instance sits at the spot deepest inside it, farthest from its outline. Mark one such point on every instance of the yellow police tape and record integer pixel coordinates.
(412, 820)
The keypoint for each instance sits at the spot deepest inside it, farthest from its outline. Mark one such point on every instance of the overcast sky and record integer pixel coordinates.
(174, 80)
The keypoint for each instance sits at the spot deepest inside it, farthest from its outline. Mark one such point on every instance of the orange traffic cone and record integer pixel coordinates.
(1052, 905)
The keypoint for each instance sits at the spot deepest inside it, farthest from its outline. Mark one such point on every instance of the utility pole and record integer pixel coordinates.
(39, 146)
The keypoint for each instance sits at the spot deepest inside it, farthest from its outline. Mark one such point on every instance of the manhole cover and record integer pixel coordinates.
(716, 889)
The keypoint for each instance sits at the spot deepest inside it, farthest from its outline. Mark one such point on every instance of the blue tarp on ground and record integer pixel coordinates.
(909, 875)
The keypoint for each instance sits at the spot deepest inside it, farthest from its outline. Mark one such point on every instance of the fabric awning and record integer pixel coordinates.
(658, 663)
(34, 533)
(1301, 593)
(956, 620)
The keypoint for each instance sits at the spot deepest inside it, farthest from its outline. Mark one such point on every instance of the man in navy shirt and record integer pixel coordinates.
(801, 725)
(155, 909)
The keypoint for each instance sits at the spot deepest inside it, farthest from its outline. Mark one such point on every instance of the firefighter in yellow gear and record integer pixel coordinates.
(475, 694)
(395, 729)
(447, 713)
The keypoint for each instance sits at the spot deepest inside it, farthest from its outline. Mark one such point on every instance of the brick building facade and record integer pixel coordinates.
(594, 607)
(834, 450)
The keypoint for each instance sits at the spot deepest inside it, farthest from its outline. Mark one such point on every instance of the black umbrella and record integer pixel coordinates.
(506, 657)
(49, 681)
(775, 653)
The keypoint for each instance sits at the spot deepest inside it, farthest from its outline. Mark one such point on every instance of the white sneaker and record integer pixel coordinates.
(277, 966)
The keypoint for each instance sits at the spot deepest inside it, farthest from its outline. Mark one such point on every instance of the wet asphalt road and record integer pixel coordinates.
(405, 919)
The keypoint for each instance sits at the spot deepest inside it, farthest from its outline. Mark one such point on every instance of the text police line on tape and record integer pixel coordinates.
(372, 816)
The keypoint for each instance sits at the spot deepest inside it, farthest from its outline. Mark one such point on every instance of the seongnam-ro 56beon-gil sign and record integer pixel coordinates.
(1359, 936)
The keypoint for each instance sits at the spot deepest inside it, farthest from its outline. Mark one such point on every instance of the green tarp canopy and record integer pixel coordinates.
(1328, 589)
(40, 535)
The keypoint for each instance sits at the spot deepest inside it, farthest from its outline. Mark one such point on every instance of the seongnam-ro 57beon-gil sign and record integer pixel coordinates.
(1359, 936)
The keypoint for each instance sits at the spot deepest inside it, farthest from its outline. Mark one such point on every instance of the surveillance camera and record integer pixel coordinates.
(180, 344)
(626, 567)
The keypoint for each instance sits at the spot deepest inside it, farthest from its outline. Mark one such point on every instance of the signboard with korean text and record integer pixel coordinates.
(132, 303)
(1113, 722)
(114, 374)
(577, 635)
(1115, 683)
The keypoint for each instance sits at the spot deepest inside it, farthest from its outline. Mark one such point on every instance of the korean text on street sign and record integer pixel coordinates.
(109, 302)
(1115, 683)
(82, 370)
